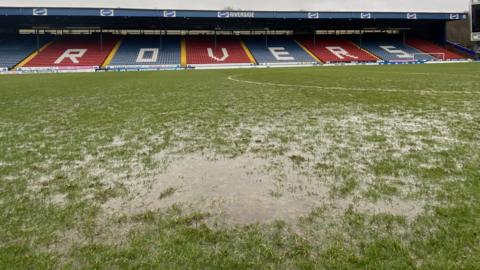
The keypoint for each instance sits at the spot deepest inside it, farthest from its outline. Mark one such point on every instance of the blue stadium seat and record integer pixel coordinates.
(277, 50)
(15, 48)
(155, 52)
(393, 49)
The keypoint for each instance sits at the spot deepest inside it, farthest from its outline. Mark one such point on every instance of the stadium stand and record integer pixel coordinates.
(148, 50)
(433, 49)
(74, 51)
(15, 48)
(277, 49)
(201, 50)
(392, 49)
(335, 50)
(70, 38)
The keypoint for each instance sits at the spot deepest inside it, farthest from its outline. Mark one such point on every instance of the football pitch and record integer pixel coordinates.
(362, 167)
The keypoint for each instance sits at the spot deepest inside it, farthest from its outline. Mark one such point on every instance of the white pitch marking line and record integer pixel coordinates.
(234, 79)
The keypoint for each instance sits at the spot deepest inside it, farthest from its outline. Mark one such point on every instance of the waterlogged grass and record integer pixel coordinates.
(373, 137)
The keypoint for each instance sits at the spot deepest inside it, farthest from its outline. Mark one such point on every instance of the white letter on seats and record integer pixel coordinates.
(340, 52)
(397, 52)
(280, 54)
(211, 55)
(141, 55)
(72, 54)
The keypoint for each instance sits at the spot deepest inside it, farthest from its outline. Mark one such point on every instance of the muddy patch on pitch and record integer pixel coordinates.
(243, 190)
(235, 191)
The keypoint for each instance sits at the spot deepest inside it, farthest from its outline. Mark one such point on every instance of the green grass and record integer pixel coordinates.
(382, 138)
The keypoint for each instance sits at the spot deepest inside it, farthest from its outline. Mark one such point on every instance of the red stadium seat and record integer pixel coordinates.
(74, 51)
(201, 50)
(334, 50)
(433, 49)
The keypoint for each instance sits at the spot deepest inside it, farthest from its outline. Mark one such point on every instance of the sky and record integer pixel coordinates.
(272, 5)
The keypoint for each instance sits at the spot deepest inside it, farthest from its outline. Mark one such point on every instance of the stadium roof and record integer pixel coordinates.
(120, 18)
(266, 5)
(109, 12)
